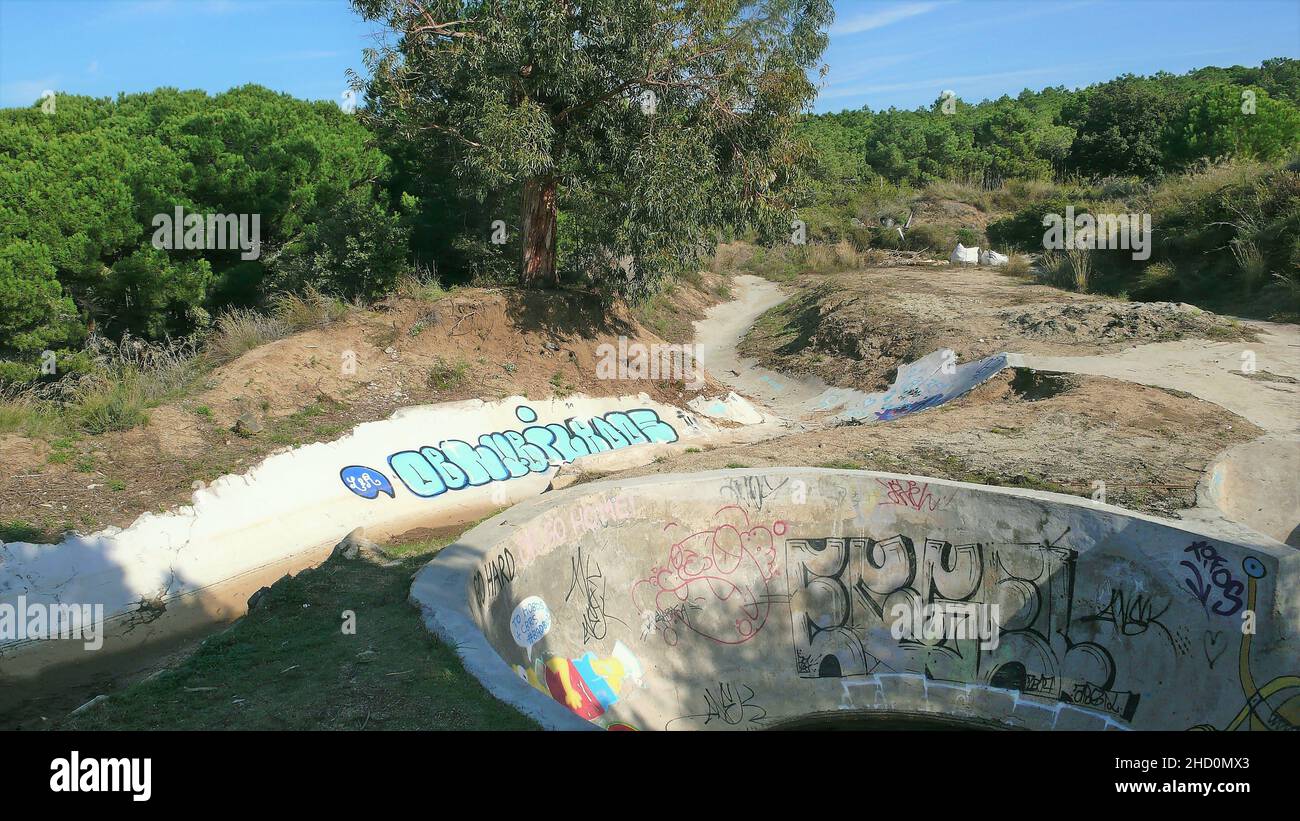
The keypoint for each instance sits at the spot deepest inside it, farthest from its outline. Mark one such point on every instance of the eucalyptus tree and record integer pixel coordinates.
(629, 130)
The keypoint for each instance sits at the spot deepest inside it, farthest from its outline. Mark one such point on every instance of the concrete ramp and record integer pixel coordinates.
(424, 466)
(752, 599)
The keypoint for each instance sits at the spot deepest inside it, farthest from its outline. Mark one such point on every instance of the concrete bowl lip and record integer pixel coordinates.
(440, 589)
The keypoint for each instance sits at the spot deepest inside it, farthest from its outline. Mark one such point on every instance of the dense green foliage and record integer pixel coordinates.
(80, 188)
(1140, 126)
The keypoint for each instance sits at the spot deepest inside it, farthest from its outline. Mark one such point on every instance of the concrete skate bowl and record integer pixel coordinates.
(1256, 484)
(774, 598)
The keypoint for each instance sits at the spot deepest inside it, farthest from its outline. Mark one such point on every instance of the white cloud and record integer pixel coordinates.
(26, 92)
(941, 83)
(882, 17)
(297, 55)
(870, 65)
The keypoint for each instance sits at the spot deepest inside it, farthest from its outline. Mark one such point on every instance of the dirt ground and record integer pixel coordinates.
(1025, 428)
(855, 329)
(1148, 446)
(472, 343)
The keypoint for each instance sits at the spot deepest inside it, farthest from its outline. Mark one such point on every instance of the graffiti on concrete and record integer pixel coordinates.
(589, 583)
(545, 533)
(494, 577)
(751, 491)
(1133, 614)
(663, 620)
(1211, 579)
(366, 482)
(929, 381)
(1275, 704)
(726, 706)
(842, 588)
(509, 454)
(910, 493)
(724, 572)
(587, 685)
(530, 623)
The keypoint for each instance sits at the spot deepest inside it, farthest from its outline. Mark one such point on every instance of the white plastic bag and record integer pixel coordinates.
(991, 257)
(961, 255)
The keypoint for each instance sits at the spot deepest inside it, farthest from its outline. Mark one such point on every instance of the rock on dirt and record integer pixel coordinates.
(355, 545)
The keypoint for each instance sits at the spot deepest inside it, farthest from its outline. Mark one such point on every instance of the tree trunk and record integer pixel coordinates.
(539, 228)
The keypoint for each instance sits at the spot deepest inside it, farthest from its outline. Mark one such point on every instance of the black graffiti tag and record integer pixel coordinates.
(494, 577)
(1133, 615)
(729, 704)
(588, 576)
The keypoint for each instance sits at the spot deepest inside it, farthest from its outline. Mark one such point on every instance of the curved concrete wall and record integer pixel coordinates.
(742, 599)
(1258, 484)
(444, 462)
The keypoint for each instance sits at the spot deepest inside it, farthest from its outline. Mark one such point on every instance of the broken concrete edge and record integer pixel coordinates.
(441, 589)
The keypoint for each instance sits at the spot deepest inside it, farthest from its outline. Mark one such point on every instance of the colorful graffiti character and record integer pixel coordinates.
(587, 685)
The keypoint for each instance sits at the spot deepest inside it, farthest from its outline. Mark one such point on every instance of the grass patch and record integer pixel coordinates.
(560, 383)
(287, 665)
(296, 428)
(841, 464)
(17, 530)
(956, 469)
(422, 285)
(446, 375)
(662, 314)
(24, 413)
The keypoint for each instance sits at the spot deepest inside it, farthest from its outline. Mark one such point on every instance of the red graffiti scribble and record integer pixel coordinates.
(915, 495)
(721, 574)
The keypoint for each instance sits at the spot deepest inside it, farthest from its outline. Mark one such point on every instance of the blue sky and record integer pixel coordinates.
(882, 54)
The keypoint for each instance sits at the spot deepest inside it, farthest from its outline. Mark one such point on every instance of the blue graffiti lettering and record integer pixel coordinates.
(509, 454)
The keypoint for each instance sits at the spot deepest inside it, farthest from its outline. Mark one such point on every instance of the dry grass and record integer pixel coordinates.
(1080, 262)
(421, 285)
(1018, 265)
(241, 330)
(126, 379)
(311, 309)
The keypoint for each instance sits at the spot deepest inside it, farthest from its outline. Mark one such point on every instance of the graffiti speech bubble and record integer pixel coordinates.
(530, 622)
(366, 482)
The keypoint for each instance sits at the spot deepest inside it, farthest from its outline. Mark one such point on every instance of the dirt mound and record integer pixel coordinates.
(472, 343)
(954, 212)
(847, 339)
(1118, 321)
